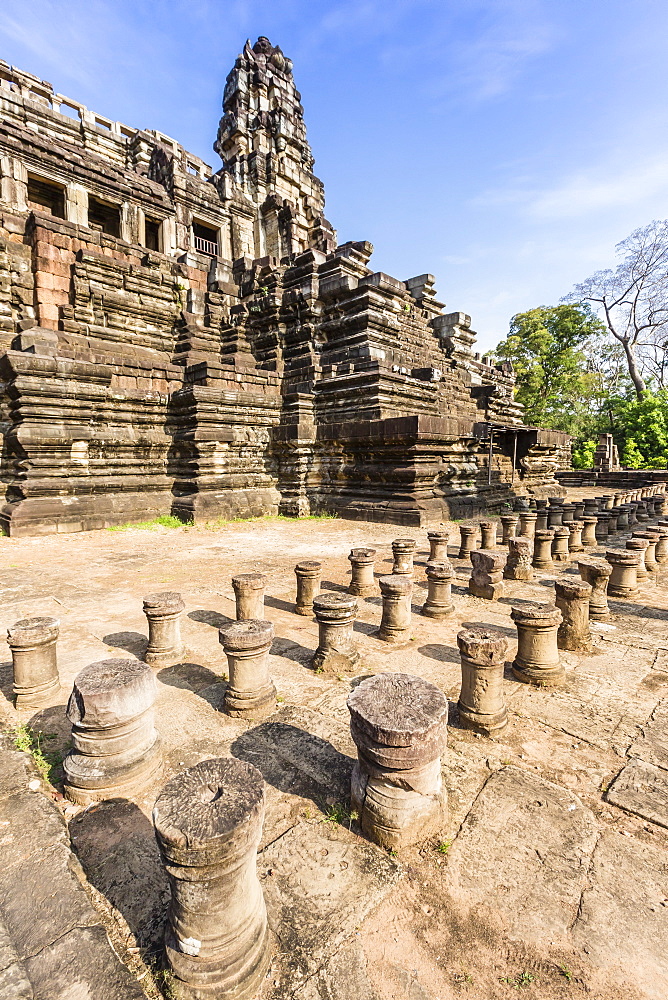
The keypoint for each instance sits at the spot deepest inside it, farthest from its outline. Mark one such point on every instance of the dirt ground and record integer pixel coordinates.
(549, 875)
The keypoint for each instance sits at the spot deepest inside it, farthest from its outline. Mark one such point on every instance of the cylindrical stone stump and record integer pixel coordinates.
(623, 580)
(623, 518)
(555, 513)
(567, 513)
(572, 597)
(208, 824)
(542, 549)
(641, 511)
(651, 564)
(116, 749)
(589, 539)
(541, 520)
(468, 534)
(575, 540)
(661, 554)
(606, 501)
(249, 596)
(163, 612)
(578, 510)
(481, 703)
(486, 580)
(335, 614)
(399, 725)
(488, 534)
(395, 622)
(613, 515)
(508, 527)
(308, 585)
(362, 581)
(520, 554)
(34, 662)
(403, 550)
(527, 524)
(537, 660)
(597, 573)
(560, 544)
(602, 526)
(439, 590)
(250, 693)
(639, 545)
(438, 545)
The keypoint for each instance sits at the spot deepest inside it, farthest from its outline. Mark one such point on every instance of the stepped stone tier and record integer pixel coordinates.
(178, 339)
(208, 824)
(399, 725)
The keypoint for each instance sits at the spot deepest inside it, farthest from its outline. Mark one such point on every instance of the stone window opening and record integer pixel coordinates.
(46, 197)
(205, 239)
(103, 217)
(152, 234)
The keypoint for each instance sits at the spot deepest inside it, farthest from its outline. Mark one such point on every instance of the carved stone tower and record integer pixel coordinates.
(262, 142)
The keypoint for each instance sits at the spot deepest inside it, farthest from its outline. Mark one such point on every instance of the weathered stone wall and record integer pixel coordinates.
(173, 340)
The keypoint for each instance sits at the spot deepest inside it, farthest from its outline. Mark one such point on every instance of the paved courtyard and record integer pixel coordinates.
(550, 872)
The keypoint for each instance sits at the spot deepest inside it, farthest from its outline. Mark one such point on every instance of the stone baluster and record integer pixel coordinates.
(32, 642)
(596, 572)
(572, 597)
(639, 545)
(527, 525)
(605, 502)
(613, 517)
(250, 693)
(575, 539)
(651, 564)
(488, 538)
(362, 582)
(439, 590)
(542, 549)
(602, 524)
(641, 512)
(399, 725)
(508, 527)
(249, 595)
(542, 516)
(633, 513)
(579, 510)
(308, 575)
(623, 580)
(163, 612)
(560, 544)
(403, 550)
(395, 621)
(589, 539)
(661, 553)
(555, 513)
(567, 513)
(438, 545)
(518, 563)
(335, 615)
(115, 747)
(537, 660)
(486, 580)
(468, 537)
(481, 703)
(623, 518)
(208, 824)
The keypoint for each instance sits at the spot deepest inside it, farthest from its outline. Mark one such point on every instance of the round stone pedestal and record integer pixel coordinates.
(596, 572)
(308, 586)
(250, 693)
(537, 660)
(395, 622)
(163, 612)
(439, 590)
(362, 582)
(32, 642)
(403, 550)
(249, 595)
(572, 598)
(481, 703)
(335, 614)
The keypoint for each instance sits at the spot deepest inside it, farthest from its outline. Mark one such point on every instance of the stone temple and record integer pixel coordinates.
(175, 340)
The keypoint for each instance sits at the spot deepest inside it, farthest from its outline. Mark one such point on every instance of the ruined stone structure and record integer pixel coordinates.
(178, 340)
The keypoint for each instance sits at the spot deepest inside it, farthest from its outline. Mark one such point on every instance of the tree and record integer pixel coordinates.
(633, 301)
(548, 348)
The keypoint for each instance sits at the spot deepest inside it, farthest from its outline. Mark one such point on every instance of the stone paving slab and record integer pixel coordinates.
(642, 789)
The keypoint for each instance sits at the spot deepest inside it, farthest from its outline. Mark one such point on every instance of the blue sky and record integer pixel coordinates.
(503, 145)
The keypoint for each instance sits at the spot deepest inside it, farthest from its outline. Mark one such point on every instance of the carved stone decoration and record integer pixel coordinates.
(399, 725)
(116, 749)
(250, 693)
(481, 703)
(395, 622)
(572, 597)
(596, 572)
(363, 582)
(308, 585)
(439, 590)
(32, 642)
(487, 577)
(249, 595)
(335, 615)
(208, 824)
(520, 554)
(163, 611)
(537, 660)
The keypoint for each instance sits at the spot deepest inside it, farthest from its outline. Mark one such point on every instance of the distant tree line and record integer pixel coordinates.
(598, 361)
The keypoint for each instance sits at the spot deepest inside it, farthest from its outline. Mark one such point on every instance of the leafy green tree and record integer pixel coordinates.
(548, 348)
(640, 429)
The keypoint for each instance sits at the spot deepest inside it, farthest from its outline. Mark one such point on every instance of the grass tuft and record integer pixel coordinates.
(29, 740)
(520, 982)
(165, 521)
(340, 815)
(444, 846)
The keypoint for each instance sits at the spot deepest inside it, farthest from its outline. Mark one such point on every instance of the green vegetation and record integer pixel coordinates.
(340, 815)
(566, 972)
(444, 846)
(29, 741)
(166, 521)
(520, 982)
